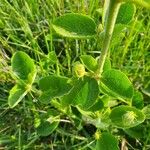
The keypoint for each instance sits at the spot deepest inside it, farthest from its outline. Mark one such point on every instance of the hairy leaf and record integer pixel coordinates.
(16, 94)
(143, 3)
(126, 116)
(46, 128)
(107, 142)
(146, 111)
(84, 93)
(75, 25)
(23, 66)
(89, 62)
(115, 83)
(53, 86)
(126, 13)
(137, 100)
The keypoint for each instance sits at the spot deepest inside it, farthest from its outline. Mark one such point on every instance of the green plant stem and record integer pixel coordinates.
(112, 13)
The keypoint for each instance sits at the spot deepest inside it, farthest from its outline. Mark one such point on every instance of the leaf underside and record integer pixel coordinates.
(16, 94)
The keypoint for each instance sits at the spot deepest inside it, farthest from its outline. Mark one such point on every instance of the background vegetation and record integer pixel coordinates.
(26, 26)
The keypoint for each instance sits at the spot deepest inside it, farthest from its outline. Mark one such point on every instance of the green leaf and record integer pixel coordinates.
(146, 90)
(115, 83)
(23, 66)
(107, 142)
(89, 62)
(99, 105)
(126, 116)
(137, 100)
(46, 128)
(126, 13)
(136, 132)
(75, 25)
(143, 3)
(16, 94)
(109, 101)
(53, 86)
(107, 65)
(53, 82)
(84, 93)
(105, 99)
(146, 111)
(118, 34)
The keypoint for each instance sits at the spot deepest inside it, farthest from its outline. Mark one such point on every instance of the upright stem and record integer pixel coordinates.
(112, 12)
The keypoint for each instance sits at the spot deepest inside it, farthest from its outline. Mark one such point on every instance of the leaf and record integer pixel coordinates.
(146, 111)
(50, 60)
(146, 90)
(107, 142)
(115, 83)
(16, 94)
(108, 101)
(75, 25)
(84, 93)
(107, 65)
(105, 99)
(118, 34)
(126, 13)
(137, 100)
(136, 132)
(46, 128)
(89, 62)
(53, 86)
(23, 66)
(143, 3)
(76, 112)
(99, 105)
(126, 116)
